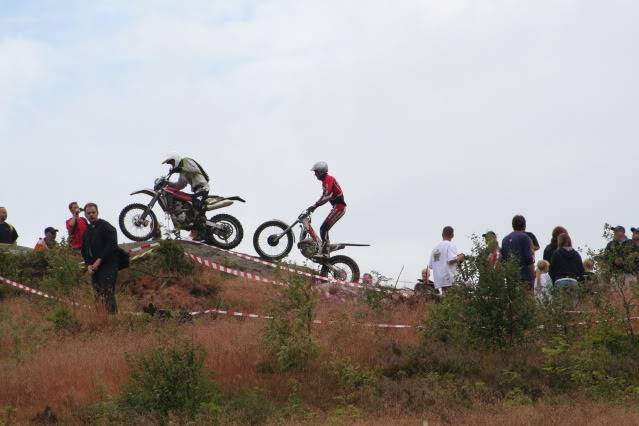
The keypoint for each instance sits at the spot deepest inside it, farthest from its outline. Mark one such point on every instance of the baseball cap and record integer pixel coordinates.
(50, 229)
(634, 229)
(618, 228)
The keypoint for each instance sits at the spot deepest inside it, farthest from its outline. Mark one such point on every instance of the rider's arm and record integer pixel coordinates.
(325, 198)
(327, 194)
(180, 184)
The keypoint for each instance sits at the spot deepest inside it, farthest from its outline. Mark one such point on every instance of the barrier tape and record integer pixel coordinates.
(282, 267)
(236, 272)
(28, 289)
(237, 314)
(135, 250)
(256, 277)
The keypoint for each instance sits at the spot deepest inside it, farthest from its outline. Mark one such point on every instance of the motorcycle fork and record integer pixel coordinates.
(149, 207)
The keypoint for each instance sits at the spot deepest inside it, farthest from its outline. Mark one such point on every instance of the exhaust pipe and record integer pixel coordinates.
(219, 205)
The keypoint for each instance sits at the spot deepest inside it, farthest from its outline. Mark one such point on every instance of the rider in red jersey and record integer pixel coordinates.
(331, 192)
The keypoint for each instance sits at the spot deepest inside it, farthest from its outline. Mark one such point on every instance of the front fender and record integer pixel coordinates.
(148, 192)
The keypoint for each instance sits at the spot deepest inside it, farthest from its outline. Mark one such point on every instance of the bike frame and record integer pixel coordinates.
(307, 229)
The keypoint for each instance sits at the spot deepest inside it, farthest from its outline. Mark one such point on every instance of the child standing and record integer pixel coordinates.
(543, 282)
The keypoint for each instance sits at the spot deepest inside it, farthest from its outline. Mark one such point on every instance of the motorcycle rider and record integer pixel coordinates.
(331, 192)
(191, 173)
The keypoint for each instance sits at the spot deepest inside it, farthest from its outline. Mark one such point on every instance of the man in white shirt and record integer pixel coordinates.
(444, 259)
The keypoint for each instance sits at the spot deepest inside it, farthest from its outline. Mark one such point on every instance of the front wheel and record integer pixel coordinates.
(133, 227)
(229, 233)
(345, 269)
(267, 245)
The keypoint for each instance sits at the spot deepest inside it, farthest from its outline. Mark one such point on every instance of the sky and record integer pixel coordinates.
(429, 113)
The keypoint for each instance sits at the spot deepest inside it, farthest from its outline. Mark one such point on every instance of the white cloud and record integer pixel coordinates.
(429, 113)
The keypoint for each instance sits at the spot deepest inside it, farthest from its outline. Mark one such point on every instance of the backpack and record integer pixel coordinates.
(124, 260)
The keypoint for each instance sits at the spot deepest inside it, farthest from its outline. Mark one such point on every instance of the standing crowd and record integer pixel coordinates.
(95, 239)
(560, 266)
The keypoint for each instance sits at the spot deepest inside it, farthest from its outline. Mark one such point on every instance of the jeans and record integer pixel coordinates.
(103, 281)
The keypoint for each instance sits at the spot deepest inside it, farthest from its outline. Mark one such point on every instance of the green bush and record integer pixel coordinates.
(170, 258)
(603, 364)
(490, 307)
(248, 408)
(287, 336)
(351, 380)
(172, 380)
(64, 320)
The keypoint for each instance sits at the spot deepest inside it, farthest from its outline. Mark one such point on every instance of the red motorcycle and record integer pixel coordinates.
(139, 223)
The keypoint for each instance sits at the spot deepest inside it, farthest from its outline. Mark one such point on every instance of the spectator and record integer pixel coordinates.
(518, 246)
(631, 252)
(99, 250)
(48, 242)
(8, 234)
(589, 270)
(367, 280)
(552, 247)
(424, 283)
(566, 262)
(76, 226)
(443, 261)
(543, 282)
(492, 247)
(614, 249)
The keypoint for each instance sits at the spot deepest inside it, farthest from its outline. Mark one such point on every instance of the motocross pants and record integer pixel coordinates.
(336, 214)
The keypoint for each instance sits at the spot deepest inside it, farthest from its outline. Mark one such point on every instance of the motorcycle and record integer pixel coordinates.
(139, 223)
(273, 240)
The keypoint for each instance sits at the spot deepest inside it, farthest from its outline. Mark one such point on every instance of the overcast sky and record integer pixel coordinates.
(429, 113)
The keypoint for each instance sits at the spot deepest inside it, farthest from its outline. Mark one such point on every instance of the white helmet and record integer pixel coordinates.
(320, 167)
(173, 160)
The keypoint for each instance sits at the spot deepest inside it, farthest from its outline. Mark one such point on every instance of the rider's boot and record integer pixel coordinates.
(324, 250)
(198, 233)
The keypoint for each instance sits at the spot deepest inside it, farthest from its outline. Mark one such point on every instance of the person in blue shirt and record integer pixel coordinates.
(518, 246)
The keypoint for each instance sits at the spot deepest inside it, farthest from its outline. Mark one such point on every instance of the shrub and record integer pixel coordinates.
(603, 364)
(64, 320)
(351, 379)
(491, 306)
(170, 380)
(170, 258)
(64, 272)
(248, 408)
(287, 336)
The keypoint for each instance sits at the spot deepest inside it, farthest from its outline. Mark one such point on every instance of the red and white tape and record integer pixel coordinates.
(237, 314)
(143, 247)
(282, 267)
(275, 266)
(236, 272)
(28, 289)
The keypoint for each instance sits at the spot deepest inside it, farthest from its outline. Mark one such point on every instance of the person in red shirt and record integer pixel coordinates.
(76, 226)
(331, 193)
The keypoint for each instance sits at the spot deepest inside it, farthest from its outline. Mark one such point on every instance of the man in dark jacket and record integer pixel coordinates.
(99, 250)
(518, 245)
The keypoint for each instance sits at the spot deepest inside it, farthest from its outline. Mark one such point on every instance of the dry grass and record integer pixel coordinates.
(73, 370)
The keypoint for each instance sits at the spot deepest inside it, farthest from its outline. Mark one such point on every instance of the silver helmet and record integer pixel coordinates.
(320, 167)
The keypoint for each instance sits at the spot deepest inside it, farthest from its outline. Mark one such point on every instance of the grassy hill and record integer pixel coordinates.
(89, 368)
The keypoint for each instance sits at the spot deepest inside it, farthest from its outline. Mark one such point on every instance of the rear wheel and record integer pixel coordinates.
(345, 269)
(133, 227)
(229, 234)
(265, 243)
